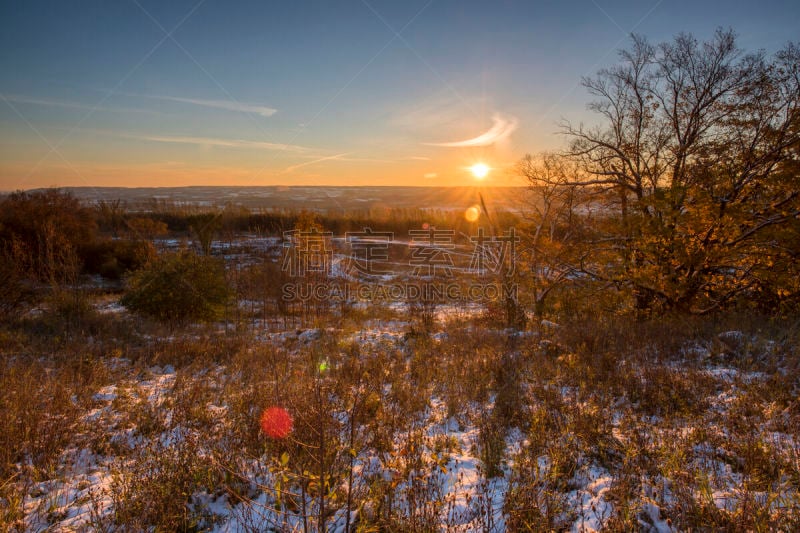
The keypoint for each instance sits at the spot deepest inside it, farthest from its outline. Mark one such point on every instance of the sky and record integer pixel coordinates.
(149, 93)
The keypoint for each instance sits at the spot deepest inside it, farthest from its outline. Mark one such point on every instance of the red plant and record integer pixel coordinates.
(276, 422)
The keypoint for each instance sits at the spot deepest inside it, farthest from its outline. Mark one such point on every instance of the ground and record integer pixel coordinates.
(465, 428)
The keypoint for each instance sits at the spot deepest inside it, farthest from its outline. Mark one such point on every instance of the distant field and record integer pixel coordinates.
(311, 198)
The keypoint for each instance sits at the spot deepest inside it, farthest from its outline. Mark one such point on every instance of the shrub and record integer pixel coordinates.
(14, 291)
(46, 230)
(179, 288)
(114, 258)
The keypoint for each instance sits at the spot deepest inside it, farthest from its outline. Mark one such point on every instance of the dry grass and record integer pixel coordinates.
(707, 439)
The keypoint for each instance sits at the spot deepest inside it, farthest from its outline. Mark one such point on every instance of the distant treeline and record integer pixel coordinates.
(50, 237)
(181, 219)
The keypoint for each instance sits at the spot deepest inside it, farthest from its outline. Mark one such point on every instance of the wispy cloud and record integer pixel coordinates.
(228, 105)
(418, 158)
(502, 128)
(21, 99)
(430, 175)
(227, 143)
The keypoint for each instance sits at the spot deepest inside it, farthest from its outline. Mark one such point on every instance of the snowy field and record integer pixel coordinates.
(466, 428)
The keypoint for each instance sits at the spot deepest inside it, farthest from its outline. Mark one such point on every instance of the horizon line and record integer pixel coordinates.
(97, 187)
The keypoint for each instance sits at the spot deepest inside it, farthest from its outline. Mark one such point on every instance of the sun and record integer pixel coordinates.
(479, 170)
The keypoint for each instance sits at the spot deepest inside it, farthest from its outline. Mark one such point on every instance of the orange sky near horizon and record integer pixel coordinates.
(230, 166)
(181, 175)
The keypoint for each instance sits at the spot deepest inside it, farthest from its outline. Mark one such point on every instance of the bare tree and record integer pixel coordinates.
(547, 253)
(690, 161)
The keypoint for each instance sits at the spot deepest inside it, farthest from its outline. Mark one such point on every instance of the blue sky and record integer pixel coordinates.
(146, 93)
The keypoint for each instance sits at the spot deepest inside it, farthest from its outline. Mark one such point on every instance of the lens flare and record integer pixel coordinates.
(472, 213)
(276, 422)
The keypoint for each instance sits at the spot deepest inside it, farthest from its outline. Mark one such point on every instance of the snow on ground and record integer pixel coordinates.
(592, 507)
(79, 492)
